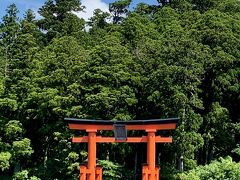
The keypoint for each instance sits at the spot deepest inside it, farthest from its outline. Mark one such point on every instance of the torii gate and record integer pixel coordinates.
(149, 171)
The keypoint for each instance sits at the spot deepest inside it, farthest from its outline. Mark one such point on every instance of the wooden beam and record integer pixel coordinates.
(89, 127)
(100, 139)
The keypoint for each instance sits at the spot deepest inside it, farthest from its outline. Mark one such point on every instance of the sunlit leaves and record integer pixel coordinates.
(5, 160)
(221, 169)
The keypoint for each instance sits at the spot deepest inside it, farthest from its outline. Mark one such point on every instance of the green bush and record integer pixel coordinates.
(115, 171)
(224, 168)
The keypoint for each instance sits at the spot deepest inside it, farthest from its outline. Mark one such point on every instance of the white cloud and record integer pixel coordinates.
(91, 5)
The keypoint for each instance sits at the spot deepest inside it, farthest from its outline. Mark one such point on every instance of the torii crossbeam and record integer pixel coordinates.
(149, 171)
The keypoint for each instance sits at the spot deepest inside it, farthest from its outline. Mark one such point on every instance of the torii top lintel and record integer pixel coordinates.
(150, 124)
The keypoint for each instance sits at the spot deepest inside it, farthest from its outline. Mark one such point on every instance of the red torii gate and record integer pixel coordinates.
(149, 171)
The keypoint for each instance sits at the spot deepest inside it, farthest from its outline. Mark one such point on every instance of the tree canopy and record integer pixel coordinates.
(176, 58)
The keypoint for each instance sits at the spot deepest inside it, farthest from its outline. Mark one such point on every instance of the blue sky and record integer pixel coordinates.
(23, 5)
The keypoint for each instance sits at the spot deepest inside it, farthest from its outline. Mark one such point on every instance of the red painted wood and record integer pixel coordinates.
(90, 127)
(92, 149)
(151, 152)
(143, 139)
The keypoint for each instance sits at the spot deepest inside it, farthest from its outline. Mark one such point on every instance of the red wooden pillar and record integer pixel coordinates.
(144, 172)
(98, 173)
(91, 154)
(157, 173)
(83, 172)
(151, 151)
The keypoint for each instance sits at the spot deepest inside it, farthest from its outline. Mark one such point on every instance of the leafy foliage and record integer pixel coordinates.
(177, 58)
(221, 169)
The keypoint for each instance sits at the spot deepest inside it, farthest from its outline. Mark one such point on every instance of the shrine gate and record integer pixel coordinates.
(149, 171)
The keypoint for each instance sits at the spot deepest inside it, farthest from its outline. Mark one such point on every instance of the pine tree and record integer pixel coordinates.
(59, 18)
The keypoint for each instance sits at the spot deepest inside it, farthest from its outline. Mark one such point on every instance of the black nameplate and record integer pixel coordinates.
(120, 132)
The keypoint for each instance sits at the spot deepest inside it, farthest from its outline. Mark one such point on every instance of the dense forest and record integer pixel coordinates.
(178, 58)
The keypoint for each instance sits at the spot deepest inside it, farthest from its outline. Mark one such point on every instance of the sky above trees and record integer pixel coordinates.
(90, 5)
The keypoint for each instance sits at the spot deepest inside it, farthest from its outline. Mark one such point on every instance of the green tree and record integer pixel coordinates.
(14, 147)
(59, 18)
(55, 92)
(119, 9)
(224, 168)
(9, 29)
(107, 80)
(21, 51)
(99, 19)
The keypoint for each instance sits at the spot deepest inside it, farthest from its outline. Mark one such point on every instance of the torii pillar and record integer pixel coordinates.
(151, 152)
(92, 149)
